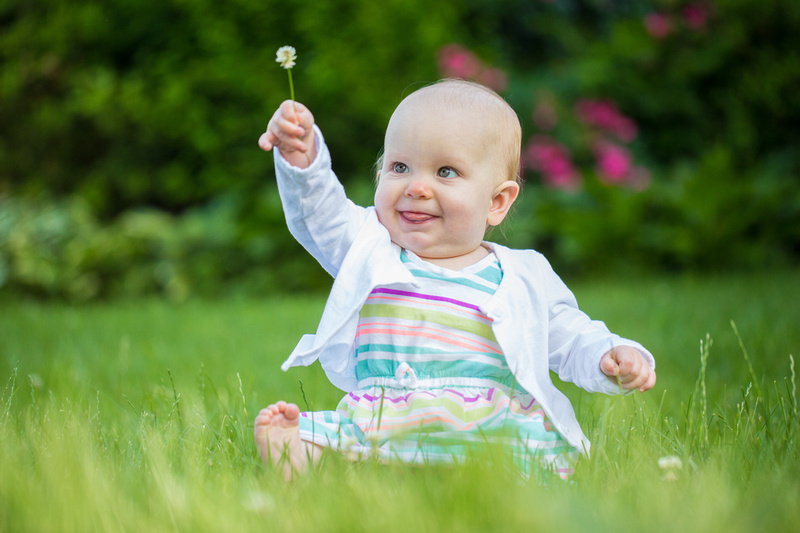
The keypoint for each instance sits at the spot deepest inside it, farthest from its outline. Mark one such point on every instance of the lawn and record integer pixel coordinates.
(137, 416)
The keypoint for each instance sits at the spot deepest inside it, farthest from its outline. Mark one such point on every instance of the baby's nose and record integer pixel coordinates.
(418, 188)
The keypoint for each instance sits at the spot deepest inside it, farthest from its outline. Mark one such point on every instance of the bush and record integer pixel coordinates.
(659, 134)
(153, 102)
(59, 249)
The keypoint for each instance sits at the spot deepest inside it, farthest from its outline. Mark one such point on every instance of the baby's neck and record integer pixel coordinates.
(458, 262)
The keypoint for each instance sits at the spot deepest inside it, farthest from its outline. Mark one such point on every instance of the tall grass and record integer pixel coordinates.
(138, 417)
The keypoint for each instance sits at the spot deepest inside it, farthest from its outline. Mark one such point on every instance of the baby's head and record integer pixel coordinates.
(449, 168)
(497, 120)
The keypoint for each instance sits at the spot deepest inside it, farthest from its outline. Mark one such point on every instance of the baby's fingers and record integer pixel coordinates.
(286, 127)
(630, 365)
(289, 128)
(266, 141)
(637, 374)
(650, 382)
(294, 119)
(285, 135)
(627, 367)
(642, 380)
(609, 366)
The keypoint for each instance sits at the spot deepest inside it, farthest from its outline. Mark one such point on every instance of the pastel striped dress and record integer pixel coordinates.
(433, 383)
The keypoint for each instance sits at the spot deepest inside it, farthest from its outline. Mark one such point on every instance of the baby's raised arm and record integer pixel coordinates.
(290, 129)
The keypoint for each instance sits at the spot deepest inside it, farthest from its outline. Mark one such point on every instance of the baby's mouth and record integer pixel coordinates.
(415, 217)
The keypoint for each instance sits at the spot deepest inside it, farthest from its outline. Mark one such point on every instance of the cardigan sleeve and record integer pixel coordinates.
(577, 343)
(318, 213)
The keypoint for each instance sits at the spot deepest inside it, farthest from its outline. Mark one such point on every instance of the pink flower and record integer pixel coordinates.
(614, 162)
(546, 156)
(494, 78)
(600, 113)
(625, 129)
(695, 16)
(658, 24)
(543, 148)
(455, 61)
(458, 62)
(604, 114)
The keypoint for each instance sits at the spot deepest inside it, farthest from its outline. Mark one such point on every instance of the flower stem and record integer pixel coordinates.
(291, 95)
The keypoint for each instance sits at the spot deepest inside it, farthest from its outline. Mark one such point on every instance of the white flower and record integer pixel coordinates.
(670, 465)
(286, 56)
(671, 462)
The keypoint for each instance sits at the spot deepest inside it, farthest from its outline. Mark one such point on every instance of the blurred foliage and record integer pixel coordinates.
(128, 158)
(160, 102)
(60, 249)
(710, 214)
(710, 85)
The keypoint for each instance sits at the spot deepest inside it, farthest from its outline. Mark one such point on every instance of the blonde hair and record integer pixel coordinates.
(506, 130)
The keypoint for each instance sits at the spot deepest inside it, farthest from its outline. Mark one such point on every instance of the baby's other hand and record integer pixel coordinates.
(627, 366)
(291, 130)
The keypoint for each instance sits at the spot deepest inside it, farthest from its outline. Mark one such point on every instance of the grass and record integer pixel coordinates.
(137, 416)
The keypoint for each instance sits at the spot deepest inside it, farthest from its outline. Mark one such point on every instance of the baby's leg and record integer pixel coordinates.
(277, 433)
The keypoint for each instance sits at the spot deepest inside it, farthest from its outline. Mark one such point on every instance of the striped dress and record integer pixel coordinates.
(433, 384)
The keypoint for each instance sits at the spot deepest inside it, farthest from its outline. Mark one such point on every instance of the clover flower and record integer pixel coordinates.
(670, 465)
(287, 56)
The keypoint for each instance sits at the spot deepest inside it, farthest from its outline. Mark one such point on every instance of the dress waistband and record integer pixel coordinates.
(405, 377)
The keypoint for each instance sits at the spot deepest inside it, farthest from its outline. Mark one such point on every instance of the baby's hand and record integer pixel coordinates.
(290, 129)
(627, 366)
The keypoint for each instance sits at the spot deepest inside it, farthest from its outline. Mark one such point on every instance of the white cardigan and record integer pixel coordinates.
(536, 319)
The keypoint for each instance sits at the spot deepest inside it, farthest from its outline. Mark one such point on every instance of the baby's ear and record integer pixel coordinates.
(502, 199)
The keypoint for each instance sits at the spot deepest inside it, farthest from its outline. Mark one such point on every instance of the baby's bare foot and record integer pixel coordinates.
(277, 434)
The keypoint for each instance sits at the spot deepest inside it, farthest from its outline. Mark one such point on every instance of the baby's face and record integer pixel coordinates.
(437, 182)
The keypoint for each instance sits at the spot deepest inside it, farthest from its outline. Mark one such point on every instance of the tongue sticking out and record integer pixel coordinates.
(412, 216)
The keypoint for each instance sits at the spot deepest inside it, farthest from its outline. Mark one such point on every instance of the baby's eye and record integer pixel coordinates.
(447, 172)
(399, 168)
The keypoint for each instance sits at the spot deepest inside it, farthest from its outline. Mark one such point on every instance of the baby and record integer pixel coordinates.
(442, 341)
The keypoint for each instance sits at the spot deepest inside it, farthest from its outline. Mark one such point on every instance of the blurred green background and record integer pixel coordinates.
(658, 135)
